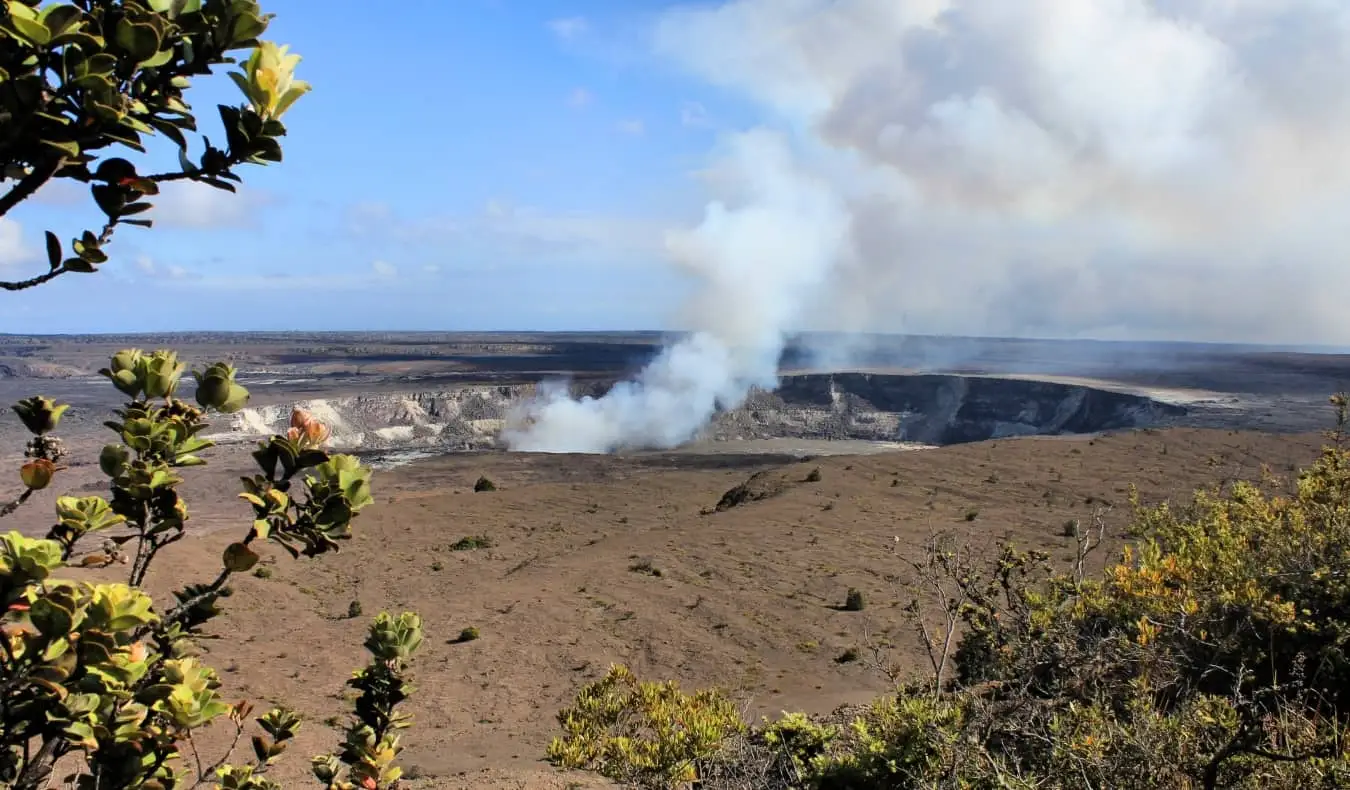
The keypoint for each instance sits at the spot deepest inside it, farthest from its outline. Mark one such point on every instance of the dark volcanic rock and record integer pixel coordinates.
(761, 485)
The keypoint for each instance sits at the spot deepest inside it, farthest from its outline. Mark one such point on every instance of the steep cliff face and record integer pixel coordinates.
(933, 409)
(929, 409)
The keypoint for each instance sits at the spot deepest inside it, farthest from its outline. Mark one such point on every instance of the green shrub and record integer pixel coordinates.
(471, 542)
(813, 476)
(484, 484)
(854, 601)
(649, 734)
(468, 634)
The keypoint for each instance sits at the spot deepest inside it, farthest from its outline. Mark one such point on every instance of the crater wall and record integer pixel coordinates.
(928, 409)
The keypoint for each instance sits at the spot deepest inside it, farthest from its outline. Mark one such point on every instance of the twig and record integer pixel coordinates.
(30, 184)
(14, 504)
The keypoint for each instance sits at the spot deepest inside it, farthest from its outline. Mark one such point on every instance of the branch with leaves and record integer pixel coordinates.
(79, 78)
(95, 670)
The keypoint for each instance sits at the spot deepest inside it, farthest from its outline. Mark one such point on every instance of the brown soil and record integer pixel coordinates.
(601, 559)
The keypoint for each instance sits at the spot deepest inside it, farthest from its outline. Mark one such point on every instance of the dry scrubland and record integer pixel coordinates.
(593, 560)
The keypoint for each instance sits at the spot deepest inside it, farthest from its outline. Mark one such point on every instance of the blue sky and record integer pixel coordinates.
(458, 165)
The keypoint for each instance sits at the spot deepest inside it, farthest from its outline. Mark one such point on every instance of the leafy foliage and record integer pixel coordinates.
(98, 673)
(1211, 653)
(81, 78)
(644, 733)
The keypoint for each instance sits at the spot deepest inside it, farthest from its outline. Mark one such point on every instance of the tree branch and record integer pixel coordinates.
(29, 184)
(14, 504)
(35, 281)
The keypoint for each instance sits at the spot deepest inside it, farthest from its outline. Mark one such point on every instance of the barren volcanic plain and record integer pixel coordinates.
(626, 557)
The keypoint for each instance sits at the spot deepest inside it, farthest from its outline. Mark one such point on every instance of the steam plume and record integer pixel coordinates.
(1136, 169)
(759, 260)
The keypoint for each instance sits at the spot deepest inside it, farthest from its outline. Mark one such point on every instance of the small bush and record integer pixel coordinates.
(813, 476)
(645, 566)
(849, 655)
(972, 514)
(854, 601)
(262, 572)
(468, 635)
(484, 484)
(642, 733)
(471, 542)
(354, 610)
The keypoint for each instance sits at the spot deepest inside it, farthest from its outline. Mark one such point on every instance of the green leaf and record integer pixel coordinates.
(67, 147)
(169, 130)
(245, 29)
(217, 183)
(158, 59)
(94, 255)
(53, 250)
(79, 265)
(298, 88)
(140, 223)
(30, 30)
(61, 19)
(242, 82)
(140, 41)
(109, 198)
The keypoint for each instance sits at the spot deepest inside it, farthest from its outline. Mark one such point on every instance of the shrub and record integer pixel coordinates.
(646, 567)
(848, 656)
(98, 76)
(649, 734)
(468, 634)
(484, 484)
(813, 476)
(95, 670)
(471, 542)
(854, 601)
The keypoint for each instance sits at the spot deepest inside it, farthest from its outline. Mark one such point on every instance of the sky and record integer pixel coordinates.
(458, 165)
(1119, 169)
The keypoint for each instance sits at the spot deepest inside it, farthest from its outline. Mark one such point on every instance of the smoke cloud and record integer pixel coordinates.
(1137, 169)
(1133, 169)
(759, 259)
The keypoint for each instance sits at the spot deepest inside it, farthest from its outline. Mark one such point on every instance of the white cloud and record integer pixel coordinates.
(62, 192)
(1161, 168)
(189, 204)
(580, 97)
(150, 267)
(384, 269)
(503, 228)
(569, 27)
(15, 251)
(632, 126)
(693, 114)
